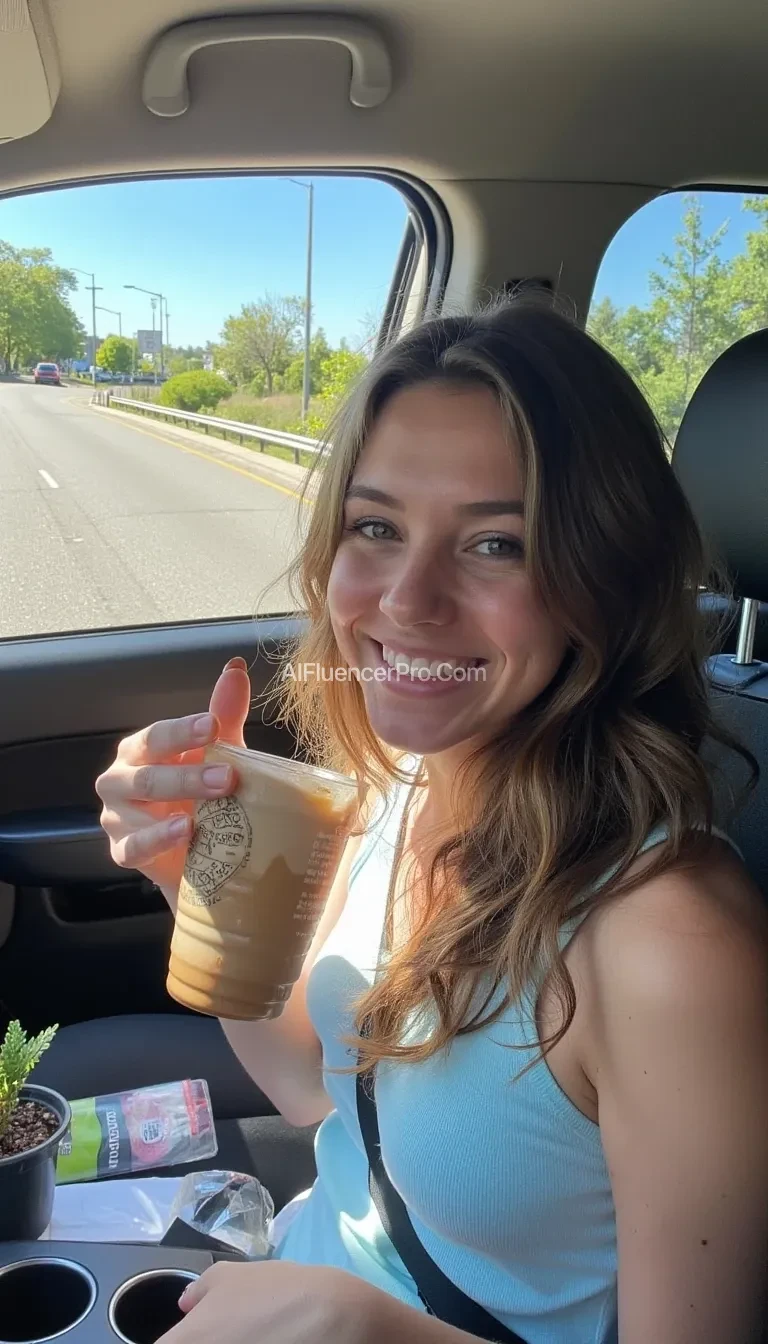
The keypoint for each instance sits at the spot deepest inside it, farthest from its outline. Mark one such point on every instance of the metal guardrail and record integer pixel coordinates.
(261, 433)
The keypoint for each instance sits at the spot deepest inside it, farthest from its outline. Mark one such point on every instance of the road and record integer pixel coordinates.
(105, 524)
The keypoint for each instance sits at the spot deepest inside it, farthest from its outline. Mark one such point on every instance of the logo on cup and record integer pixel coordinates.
(221, 844)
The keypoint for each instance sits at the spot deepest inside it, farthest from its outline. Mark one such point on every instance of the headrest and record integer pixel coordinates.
(721, 460)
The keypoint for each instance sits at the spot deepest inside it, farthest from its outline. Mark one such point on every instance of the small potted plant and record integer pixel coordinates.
(33, 1121)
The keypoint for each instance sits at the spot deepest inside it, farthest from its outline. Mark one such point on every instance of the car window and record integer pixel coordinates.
(162, 298)
(683, 279)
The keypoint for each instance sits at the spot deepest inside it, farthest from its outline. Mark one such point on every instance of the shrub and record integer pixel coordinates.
(193, 390)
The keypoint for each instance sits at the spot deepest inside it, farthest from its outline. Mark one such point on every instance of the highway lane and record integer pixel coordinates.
(104, 524)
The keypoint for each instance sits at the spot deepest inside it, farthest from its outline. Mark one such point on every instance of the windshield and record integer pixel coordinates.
(48, 368)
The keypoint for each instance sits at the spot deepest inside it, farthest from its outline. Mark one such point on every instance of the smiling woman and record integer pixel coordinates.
(539, 957)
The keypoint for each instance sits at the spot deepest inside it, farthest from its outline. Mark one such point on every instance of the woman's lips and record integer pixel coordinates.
(418, 682)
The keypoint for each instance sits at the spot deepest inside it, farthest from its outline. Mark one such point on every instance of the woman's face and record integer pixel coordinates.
(429, 596)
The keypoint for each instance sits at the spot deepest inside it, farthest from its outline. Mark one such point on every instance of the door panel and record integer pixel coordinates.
(80, 937)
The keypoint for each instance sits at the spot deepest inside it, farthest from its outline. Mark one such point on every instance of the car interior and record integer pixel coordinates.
(522, 138)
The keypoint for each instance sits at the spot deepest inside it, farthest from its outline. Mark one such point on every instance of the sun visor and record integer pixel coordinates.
(29, 68)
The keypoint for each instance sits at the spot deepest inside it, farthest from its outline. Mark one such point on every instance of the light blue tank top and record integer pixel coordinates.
(505, 1181)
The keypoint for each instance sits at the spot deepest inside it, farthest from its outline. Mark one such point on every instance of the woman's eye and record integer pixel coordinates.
(375, 529)
(501, 548)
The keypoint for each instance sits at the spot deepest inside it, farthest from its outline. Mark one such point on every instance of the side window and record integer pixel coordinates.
(170, 351)
(682, 280)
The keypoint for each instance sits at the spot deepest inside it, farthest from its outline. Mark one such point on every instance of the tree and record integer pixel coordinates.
(264, 337)
(339, 374)
(749, 272)
(293, 378)
(115, 354)
(36, 320)
(691, 316)
(668, 346)
(370, 326)
(194, 391)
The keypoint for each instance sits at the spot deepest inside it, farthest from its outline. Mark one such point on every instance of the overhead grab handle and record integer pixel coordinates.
(166, 89)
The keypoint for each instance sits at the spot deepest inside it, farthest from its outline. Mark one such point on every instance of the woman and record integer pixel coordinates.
(500, 551)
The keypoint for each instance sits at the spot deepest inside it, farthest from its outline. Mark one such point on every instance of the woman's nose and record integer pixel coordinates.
(419, 592)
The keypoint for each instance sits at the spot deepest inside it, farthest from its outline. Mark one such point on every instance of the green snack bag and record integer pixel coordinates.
(126, 1132)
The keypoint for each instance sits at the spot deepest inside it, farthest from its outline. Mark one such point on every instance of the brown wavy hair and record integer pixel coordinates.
(572, 786)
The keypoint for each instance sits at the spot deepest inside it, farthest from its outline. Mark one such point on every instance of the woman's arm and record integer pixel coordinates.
(679, 1060)
(278, 1302)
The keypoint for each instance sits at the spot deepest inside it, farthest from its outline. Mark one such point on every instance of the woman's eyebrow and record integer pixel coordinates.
(482, 508)
(374, 496)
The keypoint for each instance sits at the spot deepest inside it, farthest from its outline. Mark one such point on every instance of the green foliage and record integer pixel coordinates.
(115, 354)
(262, 339)
(293, 378)
(339, 373)
(194, 391)
(699, 306)
(279, 412)
(36, 321)
(18, 1056)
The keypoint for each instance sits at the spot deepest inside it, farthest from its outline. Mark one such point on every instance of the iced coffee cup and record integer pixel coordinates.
(258, 872)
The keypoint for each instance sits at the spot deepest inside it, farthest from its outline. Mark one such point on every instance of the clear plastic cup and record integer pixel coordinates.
(258, 872)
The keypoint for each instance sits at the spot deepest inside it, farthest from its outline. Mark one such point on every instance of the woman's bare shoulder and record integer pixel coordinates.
(673, 936)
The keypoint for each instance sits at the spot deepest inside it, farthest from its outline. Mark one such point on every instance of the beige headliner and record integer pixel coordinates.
(641, 94)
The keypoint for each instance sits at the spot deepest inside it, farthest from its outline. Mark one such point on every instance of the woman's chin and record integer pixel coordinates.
(405, 732)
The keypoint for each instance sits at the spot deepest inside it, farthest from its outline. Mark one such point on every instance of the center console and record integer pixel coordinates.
(88, 1293)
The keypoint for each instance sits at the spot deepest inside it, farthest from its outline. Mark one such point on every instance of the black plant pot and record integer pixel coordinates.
(28, 1180)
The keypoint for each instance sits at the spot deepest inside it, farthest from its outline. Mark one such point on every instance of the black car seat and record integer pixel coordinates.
(721, 460)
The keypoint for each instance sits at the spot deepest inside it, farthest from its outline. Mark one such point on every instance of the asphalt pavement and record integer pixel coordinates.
(107, 523)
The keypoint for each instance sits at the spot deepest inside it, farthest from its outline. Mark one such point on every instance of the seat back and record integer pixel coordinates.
(721, 460)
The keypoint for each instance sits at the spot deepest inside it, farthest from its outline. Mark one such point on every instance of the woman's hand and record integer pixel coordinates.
(274, 1302)
(151, 789)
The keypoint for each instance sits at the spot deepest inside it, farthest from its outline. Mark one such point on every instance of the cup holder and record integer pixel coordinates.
(147, 1306)
(43, 1299)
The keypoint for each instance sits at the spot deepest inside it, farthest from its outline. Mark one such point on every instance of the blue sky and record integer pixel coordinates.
(637, 246)
(212, 244)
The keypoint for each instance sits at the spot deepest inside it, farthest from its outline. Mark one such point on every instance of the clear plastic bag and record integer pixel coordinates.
(126, 1132)
(233, 1209)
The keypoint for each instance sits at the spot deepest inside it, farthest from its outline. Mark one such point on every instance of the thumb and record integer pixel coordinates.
(231, 701)
(194, 1294)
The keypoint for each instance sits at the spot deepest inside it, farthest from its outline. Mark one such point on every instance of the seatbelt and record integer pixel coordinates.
(439, 1295)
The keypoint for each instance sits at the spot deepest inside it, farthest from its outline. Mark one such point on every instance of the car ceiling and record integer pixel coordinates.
(633, 92)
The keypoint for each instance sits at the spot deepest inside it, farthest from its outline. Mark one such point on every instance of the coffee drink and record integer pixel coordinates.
(258, 872)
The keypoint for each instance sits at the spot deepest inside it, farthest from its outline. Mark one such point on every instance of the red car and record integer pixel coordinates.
(48, 373)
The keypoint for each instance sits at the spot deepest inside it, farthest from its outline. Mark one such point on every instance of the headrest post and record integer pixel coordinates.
(745, 644)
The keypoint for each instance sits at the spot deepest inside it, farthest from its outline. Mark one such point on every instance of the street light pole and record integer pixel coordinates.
(154, 294)
(153, 303)
(93, 287)
(114, 313)
(307, 381)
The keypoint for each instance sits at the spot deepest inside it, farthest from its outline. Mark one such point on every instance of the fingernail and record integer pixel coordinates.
(179, 826)
(203, 727)
(216, 776)
(238, 663)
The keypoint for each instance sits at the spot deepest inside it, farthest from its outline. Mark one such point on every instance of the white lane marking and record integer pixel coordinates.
(48, 479)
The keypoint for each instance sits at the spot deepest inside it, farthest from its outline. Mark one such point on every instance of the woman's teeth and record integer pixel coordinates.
(423, 667)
